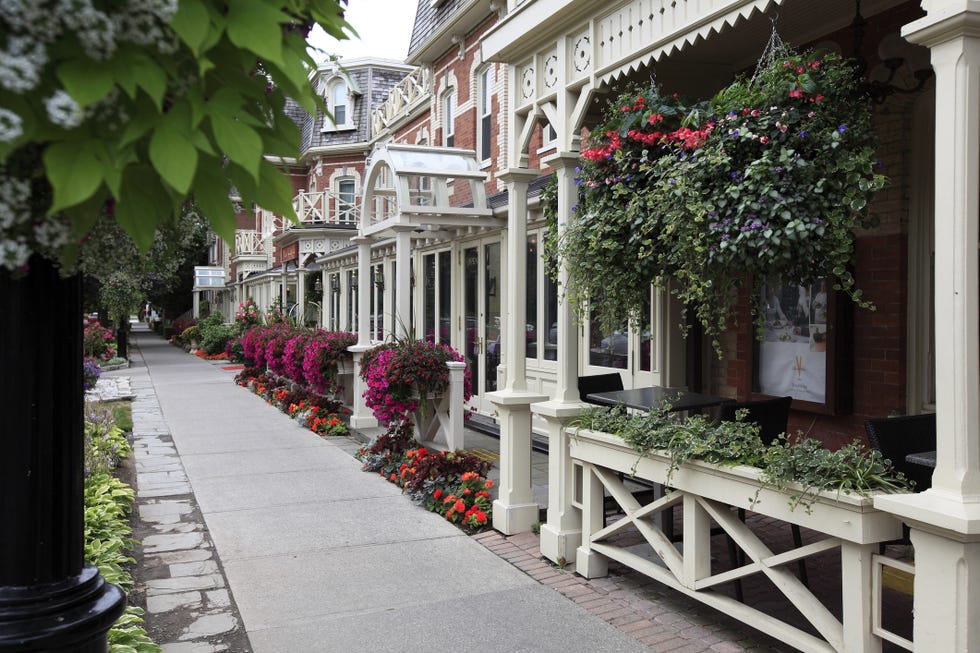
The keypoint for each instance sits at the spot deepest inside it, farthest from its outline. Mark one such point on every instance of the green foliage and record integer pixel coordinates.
(785, 465)
(191, 334)
(770, 188)
(129, 108)
(107, 504)
(214, 333)
(121, 295)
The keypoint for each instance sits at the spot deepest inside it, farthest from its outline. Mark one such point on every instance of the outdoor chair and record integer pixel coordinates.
(772, 416)
(598, 383)
(897, 437)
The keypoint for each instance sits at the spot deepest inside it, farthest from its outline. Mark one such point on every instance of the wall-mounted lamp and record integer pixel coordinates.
(895, 53)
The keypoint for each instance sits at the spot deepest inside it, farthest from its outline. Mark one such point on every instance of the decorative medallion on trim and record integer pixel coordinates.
(527, 82)
(551, 71)
(583, 55)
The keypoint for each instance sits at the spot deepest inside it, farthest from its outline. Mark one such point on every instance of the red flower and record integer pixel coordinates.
(437, 494)
(459, 506)
(796, 93)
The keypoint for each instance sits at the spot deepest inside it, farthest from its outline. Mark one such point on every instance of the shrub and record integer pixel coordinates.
(98, 341)
(292, 356)
(234, 350)
(191, 334)
(214, 338)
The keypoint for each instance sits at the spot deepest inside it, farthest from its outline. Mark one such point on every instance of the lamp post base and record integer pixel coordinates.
(71, 616)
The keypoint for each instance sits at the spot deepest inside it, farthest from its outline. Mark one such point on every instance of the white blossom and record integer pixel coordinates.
(52, 234)
(14, 253)
(21, 62)
(63, 110)
(11, 127)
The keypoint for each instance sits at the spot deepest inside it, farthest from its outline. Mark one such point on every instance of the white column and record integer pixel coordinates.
(945, 520)
(515, 510)
(361, 417)
(403, 284)
(301, 296)
(196, 310)
(562, 534)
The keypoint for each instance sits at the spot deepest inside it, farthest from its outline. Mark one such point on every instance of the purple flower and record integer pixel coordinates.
(842, 128)
(803, 134)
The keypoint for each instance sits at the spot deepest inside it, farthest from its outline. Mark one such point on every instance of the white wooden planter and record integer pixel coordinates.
(442, 422)
(708, 494)
(345, 376)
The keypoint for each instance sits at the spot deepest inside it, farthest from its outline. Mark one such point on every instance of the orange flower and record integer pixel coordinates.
(488, 484)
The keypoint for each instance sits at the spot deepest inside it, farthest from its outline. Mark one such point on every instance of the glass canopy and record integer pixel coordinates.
(408, 186)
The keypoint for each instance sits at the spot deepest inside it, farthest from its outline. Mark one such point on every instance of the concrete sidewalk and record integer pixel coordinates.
(316, 554)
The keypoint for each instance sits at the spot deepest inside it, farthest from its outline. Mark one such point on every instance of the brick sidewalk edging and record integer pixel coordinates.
(656, 616)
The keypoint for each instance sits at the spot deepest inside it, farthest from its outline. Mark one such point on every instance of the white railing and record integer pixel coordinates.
(403, 97)
(248, 242)
(325, 207)
(708, 495)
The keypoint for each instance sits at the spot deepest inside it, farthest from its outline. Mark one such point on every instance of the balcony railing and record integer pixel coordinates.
(248, 242)
(326, 207)
(402, 98)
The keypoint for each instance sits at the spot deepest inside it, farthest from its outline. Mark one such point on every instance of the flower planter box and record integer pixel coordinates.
(708, 493)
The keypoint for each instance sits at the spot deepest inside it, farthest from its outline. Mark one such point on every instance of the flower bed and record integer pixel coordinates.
(451, 484)
(322, 415)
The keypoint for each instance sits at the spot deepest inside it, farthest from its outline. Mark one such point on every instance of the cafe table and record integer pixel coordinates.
(923, 458)
(653, 397)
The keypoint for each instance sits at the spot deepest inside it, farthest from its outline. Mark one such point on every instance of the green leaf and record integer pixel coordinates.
(173, 155)
(74, 170)
(143, 205)
(152, 78)
(254, 26)
(239, 142)
(191, 22)
(211, 192)
(85, 80)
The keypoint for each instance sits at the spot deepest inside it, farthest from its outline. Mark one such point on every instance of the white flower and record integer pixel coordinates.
(21, 63)
(51, 234)
(63, 110)
(11, 127)
(14, 253)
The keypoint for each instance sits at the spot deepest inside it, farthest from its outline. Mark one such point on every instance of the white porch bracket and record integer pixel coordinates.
(945, 520)
(515, 510)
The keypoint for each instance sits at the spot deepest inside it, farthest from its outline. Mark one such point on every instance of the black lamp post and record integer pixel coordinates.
(50, 600)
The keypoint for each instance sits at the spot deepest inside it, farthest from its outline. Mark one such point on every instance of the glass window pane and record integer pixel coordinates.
(445, 294)
(531, 293)
(551, 315)
(608, 347)
(429, 298)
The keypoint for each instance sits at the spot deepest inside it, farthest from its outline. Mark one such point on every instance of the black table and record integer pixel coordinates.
(923, 458)
(654, 396)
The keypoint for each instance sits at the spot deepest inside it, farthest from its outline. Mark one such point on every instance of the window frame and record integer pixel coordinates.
(484, 113)
(448, 117)
(335, 85)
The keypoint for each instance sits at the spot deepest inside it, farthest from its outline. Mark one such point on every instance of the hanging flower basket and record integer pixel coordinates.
(768, 183)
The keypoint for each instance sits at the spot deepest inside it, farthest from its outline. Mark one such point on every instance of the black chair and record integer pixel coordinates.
(772, 416)
(897, 437)
(598, 383)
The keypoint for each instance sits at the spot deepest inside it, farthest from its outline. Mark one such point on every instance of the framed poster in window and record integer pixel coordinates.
(805, 348)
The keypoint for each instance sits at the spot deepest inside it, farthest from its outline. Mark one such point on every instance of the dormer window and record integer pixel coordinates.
(340, 101)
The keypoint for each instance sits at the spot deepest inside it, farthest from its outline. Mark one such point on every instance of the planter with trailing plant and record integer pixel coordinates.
(766, 182)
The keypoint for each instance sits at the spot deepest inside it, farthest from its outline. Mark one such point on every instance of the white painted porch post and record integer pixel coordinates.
(457, 408)
(562, 534)
(514, 510)
(402, 327)
(945, 520)
(300, 295)
(361, 417)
